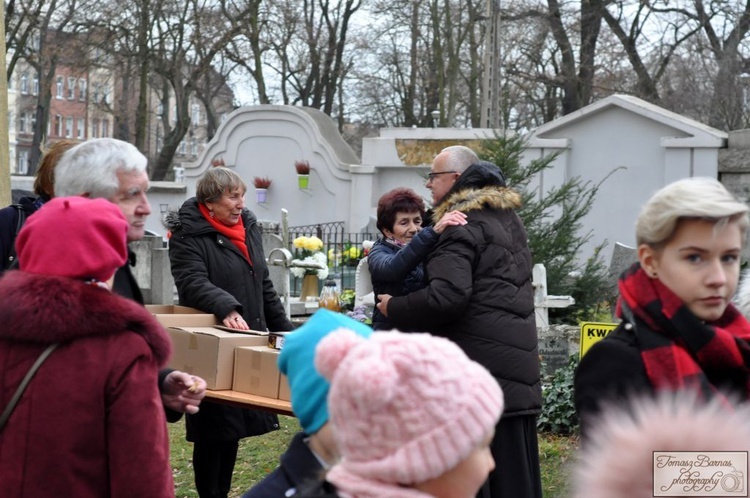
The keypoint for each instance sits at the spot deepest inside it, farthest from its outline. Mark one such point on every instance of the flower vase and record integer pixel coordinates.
(261, 193)
(309, 287)
(303, 181)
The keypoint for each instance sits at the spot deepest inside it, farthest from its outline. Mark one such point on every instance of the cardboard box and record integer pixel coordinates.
(209, 353)
(181, 316)
(284, 392)
(276, 340)
(255, 371)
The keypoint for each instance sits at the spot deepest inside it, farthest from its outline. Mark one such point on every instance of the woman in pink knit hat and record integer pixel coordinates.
(412, 416)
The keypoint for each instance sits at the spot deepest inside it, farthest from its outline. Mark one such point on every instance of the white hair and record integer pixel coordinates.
(689, 198)
(459, 157)
(91, 167)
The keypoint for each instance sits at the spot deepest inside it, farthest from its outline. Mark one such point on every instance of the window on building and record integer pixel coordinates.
(68, 127)
(22, 122)
(97, 92)
(35, 85)
(23, 162)
(196, 115)
(79, 131)
(24, 83)
(105, 128)
(32, 120)
(105, 94)
(82, 89)
(71, 88)
(94, 128)
(183, 147)
(58, 125)
(60, 85)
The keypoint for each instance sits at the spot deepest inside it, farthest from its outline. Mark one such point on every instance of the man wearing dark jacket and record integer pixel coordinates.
(480, 296)
(116, 170)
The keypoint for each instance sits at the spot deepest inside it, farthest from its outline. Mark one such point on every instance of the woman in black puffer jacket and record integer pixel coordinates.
(219, 267)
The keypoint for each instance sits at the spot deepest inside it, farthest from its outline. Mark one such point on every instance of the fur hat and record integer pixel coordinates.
(405, 408)
(296, 361)
(616, 460)
(74, 237)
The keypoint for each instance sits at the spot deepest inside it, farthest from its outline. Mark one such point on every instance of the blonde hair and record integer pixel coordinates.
(691, 198)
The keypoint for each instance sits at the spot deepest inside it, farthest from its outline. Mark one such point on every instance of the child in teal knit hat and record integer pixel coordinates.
(313, 450)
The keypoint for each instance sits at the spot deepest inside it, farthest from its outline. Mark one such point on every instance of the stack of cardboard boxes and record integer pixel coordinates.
(244, 362)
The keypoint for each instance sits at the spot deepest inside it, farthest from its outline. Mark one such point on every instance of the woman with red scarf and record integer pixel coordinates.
(219, 267)
(679, 329)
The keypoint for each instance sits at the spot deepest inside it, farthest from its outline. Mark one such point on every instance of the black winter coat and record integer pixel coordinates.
(297, 466)
(9, 226)
(612, 372)
(398, 270)
(479, 293)
(213, 276)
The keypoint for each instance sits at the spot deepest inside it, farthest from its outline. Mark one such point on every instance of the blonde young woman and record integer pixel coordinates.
(679, 330)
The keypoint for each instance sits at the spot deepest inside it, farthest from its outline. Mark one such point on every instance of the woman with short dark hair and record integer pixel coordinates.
(395, 261)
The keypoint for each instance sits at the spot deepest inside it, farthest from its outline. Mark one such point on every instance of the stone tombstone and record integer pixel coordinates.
(272, 241)
(152, 270)
(622, 258)
(557, 343)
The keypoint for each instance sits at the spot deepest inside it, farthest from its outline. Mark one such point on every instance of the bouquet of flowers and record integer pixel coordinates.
(309, 258)
(351, 254)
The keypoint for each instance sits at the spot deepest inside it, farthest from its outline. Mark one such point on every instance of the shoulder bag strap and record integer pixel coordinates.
(25, 382)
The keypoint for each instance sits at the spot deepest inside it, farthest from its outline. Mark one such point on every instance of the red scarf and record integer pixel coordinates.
(678, 349)
(236, 233)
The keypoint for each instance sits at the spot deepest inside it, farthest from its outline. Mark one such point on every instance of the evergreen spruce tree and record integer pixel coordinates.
(553, 223)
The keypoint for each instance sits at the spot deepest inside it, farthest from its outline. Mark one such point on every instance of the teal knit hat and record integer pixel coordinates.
(297, 361)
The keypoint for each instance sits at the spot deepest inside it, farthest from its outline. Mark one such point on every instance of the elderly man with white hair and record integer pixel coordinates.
(116, 170)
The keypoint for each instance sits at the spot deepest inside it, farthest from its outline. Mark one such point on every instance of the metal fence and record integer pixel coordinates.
(343, 249)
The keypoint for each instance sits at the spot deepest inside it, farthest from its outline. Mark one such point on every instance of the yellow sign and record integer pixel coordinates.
(593, 332)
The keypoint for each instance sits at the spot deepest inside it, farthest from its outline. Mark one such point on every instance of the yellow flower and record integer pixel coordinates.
(313, 244)
(300, 242)
(353, 253)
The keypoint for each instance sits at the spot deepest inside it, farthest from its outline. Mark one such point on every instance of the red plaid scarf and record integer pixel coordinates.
(678, 349)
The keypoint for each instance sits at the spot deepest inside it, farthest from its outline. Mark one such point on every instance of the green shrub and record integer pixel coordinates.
(558, 411)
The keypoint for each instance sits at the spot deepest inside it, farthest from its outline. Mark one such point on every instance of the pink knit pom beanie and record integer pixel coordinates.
(74, 237)
(405, 408)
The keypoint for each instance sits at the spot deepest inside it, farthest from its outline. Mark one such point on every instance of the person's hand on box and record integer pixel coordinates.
(183, 392)
(235, 321)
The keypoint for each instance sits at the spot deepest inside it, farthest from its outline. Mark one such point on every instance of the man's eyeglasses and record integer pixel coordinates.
(431, 176)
